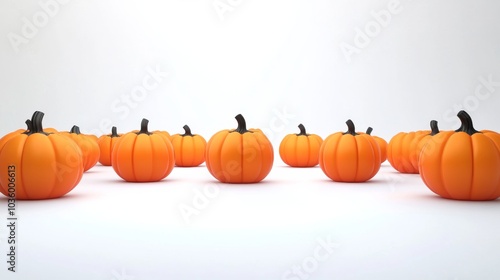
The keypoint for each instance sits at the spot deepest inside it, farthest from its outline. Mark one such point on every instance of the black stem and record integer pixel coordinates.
(35, 124)
(369, 130)
(242, 125)
(114, 132)
(187, 131)
(350, 128)
(144, 127)
(434, 128)
(75, 129)
(467, 125)
(302, 130)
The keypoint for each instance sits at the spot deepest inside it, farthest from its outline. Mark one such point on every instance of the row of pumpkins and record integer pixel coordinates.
(38, 163)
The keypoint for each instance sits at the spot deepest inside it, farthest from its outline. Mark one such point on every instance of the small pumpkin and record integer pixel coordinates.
(419, 142)
(381, 143)
(399, 151)
(350, 156)
(143, 156)
(39, 165)
(300, 150)
(106, 143)
(189, 149)
(89, 147)
(463, 164)
(240, 155)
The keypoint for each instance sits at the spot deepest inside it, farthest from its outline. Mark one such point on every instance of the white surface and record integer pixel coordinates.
(392, 227)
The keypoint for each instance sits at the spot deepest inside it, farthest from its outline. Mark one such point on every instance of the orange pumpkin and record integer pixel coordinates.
(189, 149)
(143, 156)
(300, 150)
(106, 143)
(349, 156)
(39, 165)
(381, 143)
(463, 164)
(399, 151)
(89, 147)
(240, 155)
(419, 142)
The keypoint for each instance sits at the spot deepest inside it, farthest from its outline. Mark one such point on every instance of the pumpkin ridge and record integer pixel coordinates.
(471, 141)
(334, 152)
(55, 157)
(181, 147)
(261, 156)
(132, 163)
(220, 167)
(241, 157)
(309, 158)
(22, 173)
(441, 152)
(284, 155)
(356, 158)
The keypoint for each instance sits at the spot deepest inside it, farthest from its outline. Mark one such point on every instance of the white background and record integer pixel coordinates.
(279, 63)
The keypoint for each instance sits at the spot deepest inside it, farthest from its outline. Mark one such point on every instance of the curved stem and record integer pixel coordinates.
(467, 125)
(144, 127)
(302, 130)
(75, 129)
(369, 130)
(242, 125)
(114, 132)
(35, 124)
(434, 128)
(350, 128)
(187, 131)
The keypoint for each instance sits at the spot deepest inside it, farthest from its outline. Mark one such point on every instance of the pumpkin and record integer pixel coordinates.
(381, 143)
(463, 164)
(350, 156)
(300, 150)
(89, 147)
(240, 155)
(39, 165)
(143, 156)
(189, 149)
(399, 151)
(106, 143)
(419, 142)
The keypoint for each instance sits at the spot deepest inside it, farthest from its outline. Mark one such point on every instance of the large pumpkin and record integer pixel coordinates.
(89, 147)
(39, 165)
(462, 164)
(143, 156)
(350, 156)
(381, 143)
(240, 155)
(106, 143)
(300, 150)
(189, 148)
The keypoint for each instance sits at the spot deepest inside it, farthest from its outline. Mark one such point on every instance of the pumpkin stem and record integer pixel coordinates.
(114, 132)
(369, 130)
(29, 125)
(75, 129)
(434, 128)
(350, 128)
(466, 126)
(187, 131)
(302, 130)
(242, 125)
(35, 124)
(144, 127)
